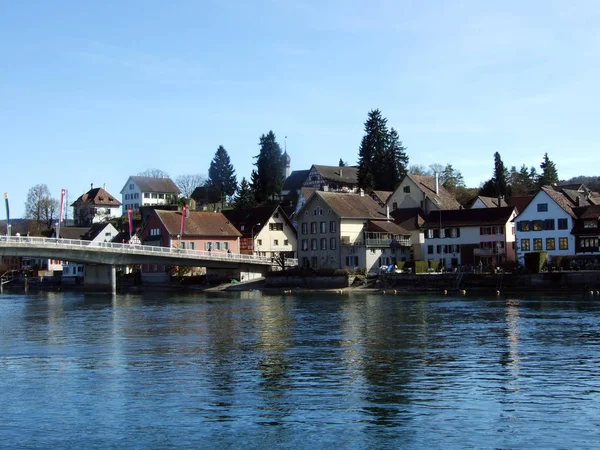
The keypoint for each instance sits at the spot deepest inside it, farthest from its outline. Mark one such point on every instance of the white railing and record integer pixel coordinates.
(218, 255)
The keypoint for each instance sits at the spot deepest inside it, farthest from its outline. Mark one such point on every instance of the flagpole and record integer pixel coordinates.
(7, 214)
(62, 201)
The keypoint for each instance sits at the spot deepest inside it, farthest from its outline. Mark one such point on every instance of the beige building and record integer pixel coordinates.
(419, 191)
(345, 230)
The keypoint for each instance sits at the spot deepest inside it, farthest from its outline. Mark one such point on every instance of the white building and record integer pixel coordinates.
(148, 191)
(95, 206)
(419, 191)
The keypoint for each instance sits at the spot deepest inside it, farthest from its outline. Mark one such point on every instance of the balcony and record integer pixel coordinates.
(387, 242)
(489, 251)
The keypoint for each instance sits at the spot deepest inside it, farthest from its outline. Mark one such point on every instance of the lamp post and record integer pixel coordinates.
(252, 234)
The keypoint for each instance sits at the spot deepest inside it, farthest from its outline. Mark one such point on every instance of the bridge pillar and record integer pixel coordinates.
(100, 278)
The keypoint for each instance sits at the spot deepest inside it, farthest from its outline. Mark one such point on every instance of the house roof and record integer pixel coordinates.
(560, 199)
(76, 233)
(98, 197)
(295, 181)
(408, 218)
(353, 206)
(387, 227)
(588, 212)
(443, 199)
(153, 184)
(346, 174)
(491, 202)
(469, 217)
(520, 201)
(198, 223)
(248, 218)
(382, 195)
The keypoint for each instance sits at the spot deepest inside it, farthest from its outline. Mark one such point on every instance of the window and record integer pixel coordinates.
(276, 227)
(259, 242)
(313, 262)
(218, 245)
(563, 243)
(542, 207)
(438, 249)
(304, 228)
(590, 224)
(155, 232)
(537, 244)
(430, 249)
(332, 243)
(313, 244)
(183, 245)
(454, 232)
(323, 243)
(305, 262)
(332, 226)
(313, 227)
(275, 241)
(137, 205)
(154, 196)
(351, 261)
(286, 242)
(406, 189)
(131, 186)
(485, 230)
(161, 196)
(548, 224)
(525, 245)
(537, 225)
(323, 227)
(588, 244)
(429, 234)
(304, 244)
(146, 195)
(563, 224)
(136, 195)
(126, 196)
(394, 205)
(550, 244)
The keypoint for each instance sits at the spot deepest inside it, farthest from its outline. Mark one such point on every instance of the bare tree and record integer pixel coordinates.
(154, 173)
(40, 206)
(187, 183)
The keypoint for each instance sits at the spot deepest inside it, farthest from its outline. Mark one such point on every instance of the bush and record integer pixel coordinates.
(401, 265)
(421, 266)
(435, 264)
(535, 261)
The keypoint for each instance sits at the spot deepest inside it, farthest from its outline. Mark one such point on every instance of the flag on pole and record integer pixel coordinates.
(130, 218)
(183, 216)
(62, 202)
(7, 214)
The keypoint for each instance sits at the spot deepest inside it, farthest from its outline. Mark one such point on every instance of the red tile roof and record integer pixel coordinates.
(198, 223)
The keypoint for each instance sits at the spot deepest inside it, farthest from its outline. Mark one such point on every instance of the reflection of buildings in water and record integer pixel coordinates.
(56, 318)
(512, 322)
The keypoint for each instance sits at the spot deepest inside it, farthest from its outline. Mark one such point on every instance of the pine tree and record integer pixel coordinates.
(521, 182)
(395, 164)
(341, 163)
(549, 174)
(497, 186)
(451, 178)
(371, 154)
(222, 175)
(267, 179)
(244, 197)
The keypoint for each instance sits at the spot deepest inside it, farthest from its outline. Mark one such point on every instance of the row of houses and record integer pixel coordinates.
(326, 221)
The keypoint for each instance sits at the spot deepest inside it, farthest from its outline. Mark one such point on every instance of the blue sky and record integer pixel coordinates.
(92, 92)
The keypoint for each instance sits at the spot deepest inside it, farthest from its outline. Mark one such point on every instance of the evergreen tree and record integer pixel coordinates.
(341, 163)
(521, 182)
(549, 174)
(395, 163)
(222, 175)
(244, 197)
(267, 179)
(497, 186)
(451, 178)
(371, 154)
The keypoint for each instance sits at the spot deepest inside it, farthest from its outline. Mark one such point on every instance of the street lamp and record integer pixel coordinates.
(252, 234)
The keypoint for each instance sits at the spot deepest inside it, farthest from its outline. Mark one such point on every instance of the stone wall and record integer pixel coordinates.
(313, 282)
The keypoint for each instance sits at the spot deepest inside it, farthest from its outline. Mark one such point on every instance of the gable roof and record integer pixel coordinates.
(256, 218)
(345, 174)
(295, 181)
(443, 199)
(386, 227)
(350, 206)
(98, 197)
(520, 201)
(491, 202)
(560, 199)
(381, 196)
(469, 217)
(198, 223)
(588, 212)
(408, 218)
(76, 233)
(153, 184)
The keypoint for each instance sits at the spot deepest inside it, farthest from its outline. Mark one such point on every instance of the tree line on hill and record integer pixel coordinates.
(382, 163)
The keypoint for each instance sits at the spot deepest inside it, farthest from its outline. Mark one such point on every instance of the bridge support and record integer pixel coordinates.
(100, 278)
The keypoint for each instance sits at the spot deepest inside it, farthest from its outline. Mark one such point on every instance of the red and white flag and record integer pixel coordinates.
(60, 214)
(183, 216)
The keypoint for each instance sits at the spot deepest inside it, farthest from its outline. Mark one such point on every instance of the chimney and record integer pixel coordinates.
(499, 201)
(387, 212)
(104, 186)
(92, 184)
(578, 201)
(437, 184)
(341, 172)
(325, 188)
(361, 192)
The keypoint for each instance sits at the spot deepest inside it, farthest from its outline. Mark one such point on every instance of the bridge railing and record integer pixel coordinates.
(138, 248)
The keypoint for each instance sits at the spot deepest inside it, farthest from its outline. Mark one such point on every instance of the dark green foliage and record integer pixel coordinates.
(535, 261)
(267, 179)
(451, 178)
(497, 186)
(342, 163)
(221, 175)
(421, 266)
(549, 175)
(523, 181)
(435, 264)
(382, 159)
(244, 197)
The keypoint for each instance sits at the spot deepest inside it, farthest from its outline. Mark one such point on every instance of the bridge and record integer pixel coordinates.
(107, 255)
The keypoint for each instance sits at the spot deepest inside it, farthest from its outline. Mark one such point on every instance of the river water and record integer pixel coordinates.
(253, 370)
